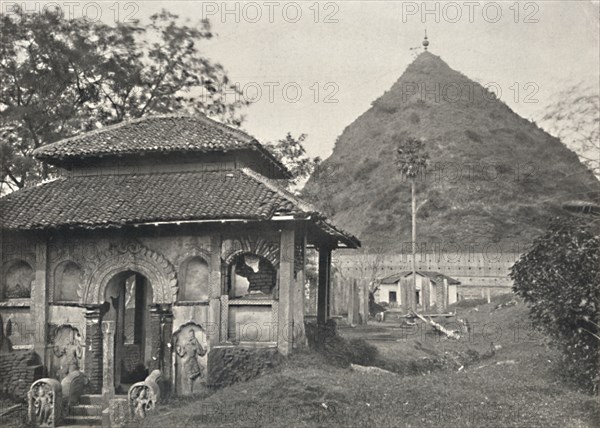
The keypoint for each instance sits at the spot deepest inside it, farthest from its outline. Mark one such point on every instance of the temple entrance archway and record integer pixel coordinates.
(127, 300)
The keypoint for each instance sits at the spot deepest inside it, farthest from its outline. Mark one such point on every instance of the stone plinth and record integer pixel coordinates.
(118, 412)
(73, 386)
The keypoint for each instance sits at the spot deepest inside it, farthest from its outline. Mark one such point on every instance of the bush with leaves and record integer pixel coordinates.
(559, 278)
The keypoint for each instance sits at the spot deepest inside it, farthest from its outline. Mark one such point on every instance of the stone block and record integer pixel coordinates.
(118, 412)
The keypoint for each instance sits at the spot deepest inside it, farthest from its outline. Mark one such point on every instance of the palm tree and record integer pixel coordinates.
(412, 161)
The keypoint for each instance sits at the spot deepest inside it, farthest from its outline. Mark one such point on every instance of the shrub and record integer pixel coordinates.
(362, 174)
(342, 352)
(363, 353)
(385, 106)
(559, 280)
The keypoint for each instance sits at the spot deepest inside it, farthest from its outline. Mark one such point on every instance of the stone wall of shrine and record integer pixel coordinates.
(53, 295)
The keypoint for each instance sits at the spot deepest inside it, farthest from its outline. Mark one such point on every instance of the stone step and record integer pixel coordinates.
(91, 399)
(83, 420)
(86, 410)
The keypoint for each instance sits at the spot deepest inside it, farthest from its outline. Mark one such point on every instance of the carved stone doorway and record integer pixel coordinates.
(128, 297)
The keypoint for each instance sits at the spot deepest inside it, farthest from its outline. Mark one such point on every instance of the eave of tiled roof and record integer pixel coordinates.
(109, 201)
(118, 200)
(172, 133)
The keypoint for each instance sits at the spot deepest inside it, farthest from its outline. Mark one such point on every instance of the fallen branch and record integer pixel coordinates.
(370, 369)
(10, 410)
(450, 334)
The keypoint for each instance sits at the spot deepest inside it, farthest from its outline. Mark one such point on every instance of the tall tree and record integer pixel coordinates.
(291, 152)
(60, 77)
(412, 161)
(573, 116)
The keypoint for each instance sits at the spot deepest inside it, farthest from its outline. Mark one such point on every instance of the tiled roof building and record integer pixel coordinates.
(162, 236)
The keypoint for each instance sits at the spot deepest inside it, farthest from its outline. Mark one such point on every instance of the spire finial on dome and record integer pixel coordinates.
(425, 41)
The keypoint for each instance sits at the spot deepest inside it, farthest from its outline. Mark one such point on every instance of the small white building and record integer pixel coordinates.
(433, 290)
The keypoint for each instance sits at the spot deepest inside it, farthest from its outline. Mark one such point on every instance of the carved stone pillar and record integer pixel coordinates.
(224, 318)
(153, 335)
(93, 348)
(108, 359)
(285, 337)
(39, 298)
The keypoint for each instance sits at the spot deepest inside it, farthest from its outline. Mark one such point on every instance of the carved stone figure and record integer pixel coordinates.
(69, 350)
(189, 352)
(45, 403)
(143, 396)
(42, 403)
(142, 402)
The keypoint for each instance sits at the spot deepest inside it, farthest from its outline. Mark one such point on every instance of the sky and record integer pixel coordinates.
(314, 67)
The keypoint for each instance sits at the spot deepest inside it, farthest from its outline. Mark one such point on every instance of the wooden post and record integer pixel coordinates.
(324, 280)
(300, 282)
(285, 337)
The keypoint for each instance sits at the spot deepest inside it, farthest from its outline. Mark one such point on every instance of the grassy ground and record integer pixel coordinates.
(516, 386)
(14, 418)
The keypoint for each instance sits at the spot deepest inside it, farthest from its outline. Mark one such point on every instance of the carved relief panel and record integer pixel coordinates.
(67, 351)
(190, 345)
(45, 403)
